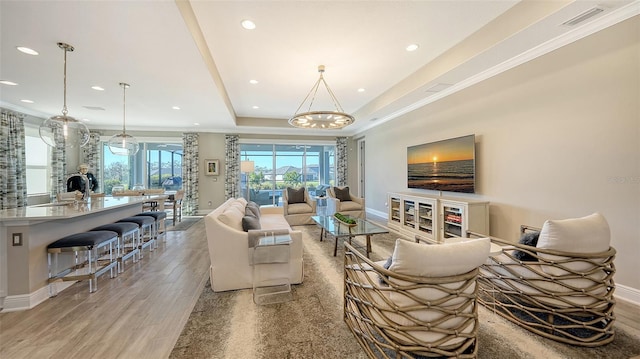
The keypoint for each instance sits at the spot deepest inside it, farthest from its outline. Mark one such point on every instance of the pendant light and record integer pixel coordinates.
(321, 119)
(123, 144)
(64, 130)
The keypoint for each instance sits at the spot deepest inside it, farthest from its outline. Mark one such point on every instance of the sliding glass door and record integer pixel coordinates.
(156, 165)
(267, 169)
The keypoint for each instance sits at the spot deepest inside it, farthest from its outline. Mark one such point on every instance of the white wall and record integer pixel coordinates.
(557, 137)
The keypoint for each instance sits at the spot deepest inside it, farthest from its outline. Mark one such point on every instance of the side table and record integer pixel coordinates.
(271, 283)
(321, 206)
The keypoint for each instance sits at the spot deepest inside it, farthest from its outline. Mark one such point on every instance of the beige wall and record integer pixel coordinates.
(557, 137)
(211, 188)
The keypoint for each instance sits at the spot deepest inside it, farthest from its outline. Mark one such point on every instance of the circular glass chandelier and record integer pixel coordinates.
(123, 144)
(64, 130)
(327, 120)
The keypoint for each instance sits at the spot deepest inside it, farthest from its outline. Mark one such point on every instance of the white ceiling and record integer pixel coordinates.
(195, 55)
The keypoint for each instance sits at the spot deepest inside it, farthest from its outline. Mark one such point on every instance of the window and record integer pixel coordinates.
(38, 157)
(156, 165)
(277, 166)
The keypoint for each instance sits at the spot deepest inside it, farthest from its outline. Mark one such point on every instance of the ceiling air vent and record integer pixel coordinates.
(94, 108)
(583, 17)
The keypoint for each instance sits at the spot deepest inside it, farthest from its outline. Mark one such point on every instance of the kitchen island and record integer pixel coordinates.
(26, 232)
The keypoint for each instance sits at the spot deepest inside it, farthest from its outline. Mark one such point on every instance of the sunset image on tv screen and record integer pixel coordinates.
(447, 165)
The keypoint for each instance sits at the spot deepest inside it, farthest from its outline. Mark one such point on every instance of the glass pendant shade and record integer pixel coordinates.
(123, 144)
(321, 119)
(64, 130)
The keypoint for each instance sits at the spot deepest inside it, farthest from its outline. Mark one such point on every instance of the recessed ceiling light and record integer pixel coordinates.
(248, 24)
(97, 88)
(7, 82)
(256, 107)
(412, 47)
(27, 50)
(86, 120)
(253, 82)
(175, 107)
(360, 89)
(196, 124)
(26, 101)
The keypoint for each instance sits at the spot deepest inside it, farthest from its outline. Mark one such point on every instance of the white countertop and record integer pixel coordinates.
(51, 211)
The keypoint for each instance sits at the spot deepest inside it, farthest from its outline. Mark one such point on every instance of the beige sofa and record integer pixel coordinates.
(230, 251)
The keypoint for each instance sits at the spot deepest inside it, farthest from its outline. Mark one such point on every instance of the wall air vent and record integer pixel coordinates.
(583, 17)
(438, 87)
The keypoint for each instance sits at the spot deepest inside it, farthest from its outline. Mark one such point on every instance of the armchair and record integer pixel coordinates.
(341, 200)
(560, 287)
(423, 305)
(298, 206)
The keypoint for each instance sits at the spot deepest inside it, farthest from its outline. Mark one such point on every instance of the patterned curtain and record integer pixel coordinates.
(190, 173)
(341, 161)
(58, 164)
(13, 167)
(231, 166)
(92, 155)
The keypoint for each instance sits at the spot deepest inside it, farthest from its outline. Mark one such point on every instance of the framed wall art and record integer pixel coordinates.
(211, 167)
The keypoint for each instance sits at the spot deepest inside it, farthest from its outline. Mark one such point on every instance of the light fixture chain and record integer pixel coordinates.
(124, 108)
(64, 81)
(333, 97)
(313, 90)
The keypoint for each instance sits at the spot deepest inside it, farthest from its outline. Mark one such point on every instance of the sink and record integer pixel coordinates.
(57, 204)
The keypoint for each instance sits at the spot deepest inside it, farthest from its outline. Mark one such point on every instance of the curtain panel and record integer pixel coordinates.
(190, 173)
(58, 165)
(341, 161)
(92, 155)
(13, 167)
(232, 166)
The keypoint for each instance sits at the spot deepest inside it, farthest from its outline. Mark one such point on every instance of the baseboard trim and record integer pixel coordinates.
(14, 303)
(627, 294)
(376, 213)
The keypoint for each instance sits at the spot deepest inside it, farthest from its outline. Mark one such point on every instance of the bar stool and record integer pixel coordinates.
(128, 240)
(146, 226)
(98, 257)
(160, 223)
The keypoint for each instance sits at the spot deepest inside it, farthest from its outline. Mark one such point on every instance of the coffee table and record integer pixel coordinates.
(331, 225)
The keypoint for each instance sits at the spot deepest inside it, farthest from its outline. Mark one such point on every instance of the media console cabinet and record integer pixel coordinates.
(434, 219)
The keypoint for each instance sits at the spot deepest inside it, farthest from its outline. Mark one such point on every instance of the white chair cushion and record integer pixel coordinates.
(350, 206)
(298, 208)
(588, 234)
(439, 260)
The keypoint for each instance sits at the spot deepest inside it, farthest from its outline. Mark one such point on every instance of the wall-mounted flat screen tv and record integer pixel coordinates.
(447, 165)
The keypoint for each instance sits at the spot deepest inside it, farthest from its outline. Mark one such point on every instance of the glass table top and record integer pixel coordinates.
(337, 229)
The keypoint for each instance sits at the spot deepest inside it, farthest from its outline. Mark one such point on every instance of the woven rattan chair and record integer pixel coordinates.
(564, 296)
(394, 315)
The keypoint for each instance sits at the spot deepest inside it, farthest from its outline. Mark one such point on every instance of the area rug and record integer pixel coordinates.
(184, 224)
(230, 325)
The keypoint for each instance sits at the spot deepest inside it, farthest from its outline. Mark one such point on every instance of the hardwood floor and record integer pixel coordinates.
(138, 314)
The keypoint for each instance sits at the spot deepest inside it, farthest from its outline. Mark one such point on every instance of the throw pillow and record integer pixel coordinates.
(386, 266)
(295, 195)
(250, 222)
(528, 239)
(342, 193)
(428, 260)
(252, 209)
